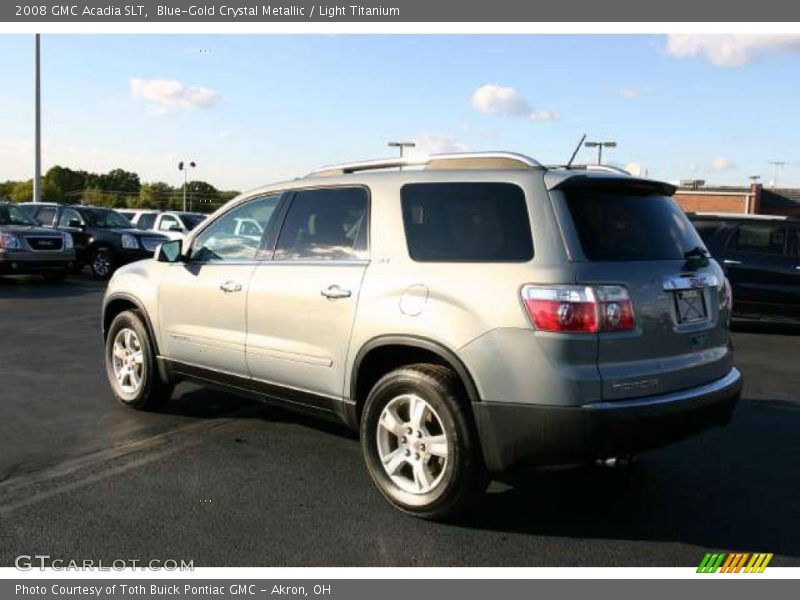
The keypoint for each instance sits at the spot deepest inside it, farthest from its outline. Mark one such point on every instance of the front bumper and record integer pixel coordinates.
(550, 435)
(25, 263)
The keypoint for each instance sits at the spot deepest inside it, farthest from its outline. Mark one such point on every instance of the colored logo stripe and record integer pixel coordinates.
(733, 563)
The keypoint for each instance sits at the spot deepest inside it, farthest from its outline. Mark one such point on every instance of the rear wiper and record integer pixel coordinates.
(696, 257)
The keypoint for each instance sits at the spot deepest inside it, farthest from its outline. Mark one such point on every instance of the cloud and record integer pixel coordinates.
(165, 95)
(722, 164)
(732, 50)
(437, 143)
(630, 92)
(493, 99)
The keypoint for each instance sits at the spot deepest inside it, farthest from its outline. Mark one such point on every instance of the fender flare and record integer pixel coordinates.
(413, 341)
(139, 306)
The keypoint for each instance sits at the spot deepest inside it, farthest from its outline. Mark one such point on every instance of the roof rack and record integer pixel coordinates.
(606, 168)
(455, 160)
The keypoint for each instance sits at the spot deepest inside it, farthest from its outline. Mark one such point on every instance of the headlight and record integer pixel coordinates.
(9, 241)
(68, 243)
(129, 242)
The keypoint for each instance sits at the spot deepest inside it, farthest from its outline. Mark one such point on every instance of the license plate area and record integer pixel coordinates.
(690, 306)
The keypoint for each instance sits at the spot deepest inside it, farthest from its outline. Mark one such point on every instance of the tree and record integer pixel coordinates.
(154, 195)
(64, 181)
(22, 191)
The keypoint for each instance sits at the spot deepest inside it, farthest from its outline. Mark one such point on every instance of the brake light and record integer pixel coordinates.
(579, 309)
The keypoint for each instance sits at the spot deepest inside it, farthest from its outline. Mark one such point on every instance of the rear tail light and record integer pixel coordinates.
(579, 309)
(726, 295)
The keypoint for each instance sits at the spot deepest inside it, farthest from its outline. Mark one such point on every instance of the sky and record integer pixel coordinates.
(253, 109)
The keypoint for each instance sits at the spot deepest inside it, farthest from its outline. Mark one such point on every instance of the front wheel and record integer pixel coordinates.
(419, 443)
(102, 263)
(131, 364)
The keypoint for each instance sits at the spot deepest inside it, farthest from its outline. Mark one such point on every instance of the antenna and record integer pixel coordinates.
(574, 154)
(778, 164)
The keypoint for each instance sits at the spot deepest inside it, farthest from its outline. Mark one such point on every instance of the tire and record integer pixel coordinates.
(102, 263)
(54, 276)
(424, 483)
(142, 388)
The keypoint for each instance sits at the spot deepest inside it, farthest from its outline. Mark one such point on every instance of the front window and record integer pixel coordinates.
(236, 234)
(12, 215)
(105, 219)
(620, 226)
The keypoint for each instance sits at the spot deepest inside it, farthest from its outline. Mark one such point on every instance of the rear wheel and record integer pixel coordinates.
(419, 443)
(131, 364)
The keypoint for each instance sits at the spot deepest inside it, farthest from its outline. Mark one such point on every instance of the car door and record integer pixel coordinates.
(302, 303)
(759, 264)
(70, 221)
(202, 299)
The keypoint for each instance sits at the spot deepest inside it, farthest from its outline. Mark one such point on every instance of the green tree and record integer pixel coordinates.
(64, 181)
(155, 195)
(22, 191)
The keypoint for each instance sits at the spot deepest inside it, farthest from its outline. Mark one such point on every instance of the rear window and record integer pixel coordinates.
(707, 229)
(466, 222)
(614, 226)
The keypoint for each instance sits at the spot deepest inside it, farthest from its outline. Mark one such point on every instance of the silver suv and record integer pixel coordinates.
(465, 312)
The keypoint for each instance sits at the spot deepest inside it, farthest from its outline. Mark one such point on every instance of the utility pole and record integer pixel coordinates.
(37, 164)
(184, 166)
(600, 146)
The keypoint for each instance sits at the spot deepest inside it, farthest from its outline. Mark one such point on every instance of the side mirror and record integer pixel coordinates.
(75, 224)
(169, 252)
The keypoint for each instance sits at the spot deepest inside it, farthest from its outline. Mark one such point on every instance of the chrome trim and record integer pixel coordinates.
(417, 161)
(690, 282)
(731, 379)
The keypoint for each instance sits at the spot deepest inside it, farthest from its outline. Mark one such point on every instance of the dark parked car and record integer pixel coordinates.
(26, 248)
(761, 257)
(104, 239)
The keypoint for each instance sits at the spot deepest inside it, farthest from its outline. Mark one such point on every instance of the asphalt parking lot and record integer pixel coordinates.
(228, 482)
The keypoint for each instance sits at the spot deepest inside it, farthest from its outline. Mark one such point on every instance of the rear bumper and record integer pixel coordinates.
(550, 435)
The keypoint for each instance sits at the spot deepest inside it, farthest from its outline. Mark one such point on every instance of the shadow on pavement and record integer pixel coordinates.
(733, 488)
(33, 287)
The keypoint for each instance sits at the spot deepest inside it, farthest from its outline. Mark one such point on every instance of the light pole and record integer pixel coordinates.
(184, 166)
(778, 164)
(37, 161)
(600, 146)
(402, 146)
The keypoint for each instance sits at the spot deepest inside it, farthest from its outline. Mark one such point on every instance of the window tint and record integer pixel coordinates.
(466, 222)
(12, 215)
(707, 229)
(68, 215)
(768, 238)
(615, 226)
(226, 240)
(146, 221)
(167, 222)
(46, 215)
(329, 224)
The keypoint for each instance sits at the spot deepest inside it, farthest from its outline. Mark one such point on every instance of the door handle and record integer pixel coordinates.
(230, 286)
(729, 261)
(334, 291)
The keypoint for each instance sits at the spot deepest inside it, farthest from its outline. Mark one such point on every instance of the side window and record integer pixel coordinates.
(466, 222)
(763, 238)
(326, 224)
(167, 223)
(225, 239)
(146, 221)
(68, 215)
(46, 215)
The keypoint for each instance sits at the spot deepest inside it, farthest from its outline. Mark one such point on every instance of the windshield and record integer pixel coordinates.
(105, 219)
(191, 220)
(13, 215)
(618, 226)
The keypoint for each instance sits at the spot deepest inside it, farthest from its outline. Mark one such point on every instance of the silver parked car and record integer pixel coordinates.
(466, 313)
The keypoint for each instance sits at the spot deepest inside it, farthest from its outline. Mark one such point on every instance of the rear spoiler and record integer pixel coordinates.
(608, 182)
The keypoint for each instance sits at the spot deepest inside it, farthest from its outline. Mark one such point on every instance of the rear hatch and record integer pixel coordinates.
(631, 233)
